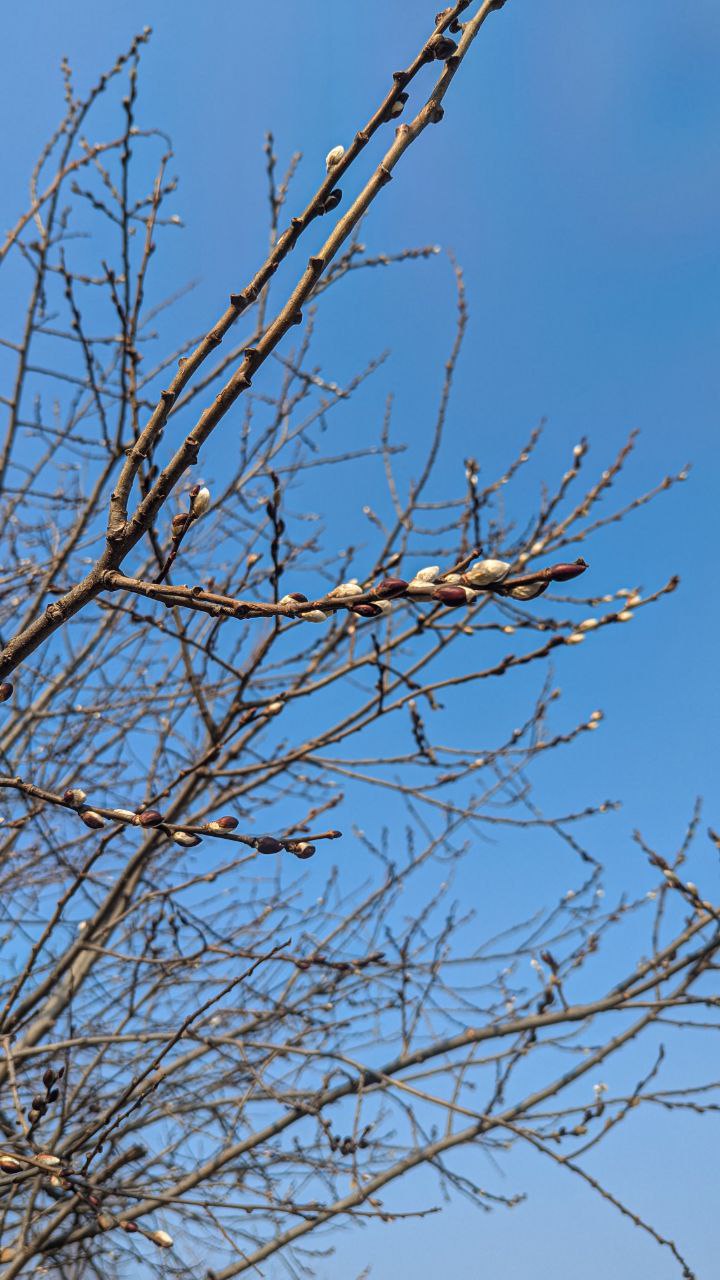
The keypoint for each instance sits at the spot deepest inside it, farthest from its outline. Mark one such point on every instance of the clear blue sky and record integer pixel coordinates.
(576, 177)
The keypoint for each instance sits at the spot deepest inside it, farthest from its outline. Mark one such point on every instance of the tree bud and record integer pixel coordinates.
(227, 823)
(450, 596)
(187, 839)
(304, 850)
(162, 1238)
(150, 818)
(332, 201)
(443, 48)
(367, 610)
(397, 106)
(483, 573)
(334, 157)
(295, 597)
(180, 523)
(268, 844)
(563, 572)
(74, 795)
(46, 1158)
(125, 813)
(345, 590)
(49, 1077)
(127, 1225)
(421, 584)
(6, 691)
(199, 500)
(315, 615)
(8, 1163)
(526, 590)
(390, 587)
(92, 819)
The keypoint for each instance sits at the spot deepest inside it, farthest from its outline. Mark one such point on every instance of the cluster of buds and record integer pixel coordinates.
(430, 584)
(42, 1101)
(150, 819)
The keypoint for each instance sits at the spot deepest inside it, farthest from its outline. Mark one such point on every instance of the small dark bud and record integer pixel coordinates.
(53, 1095)
(304, 850)
(397, 107)
(268, 844)
(298, 597)
(49, 1078)
(180, 523)
(564, 572)
(451, 596)
(332, 201)
(38, 1103)
(443, 48)
(150, 818)
(128, 1226)
(228, 823)
(390, 587)
(366, 610)
(6, 691)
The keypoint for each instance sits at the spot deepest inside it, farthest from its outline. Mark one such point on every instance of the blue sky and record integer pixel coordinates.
(576, 178)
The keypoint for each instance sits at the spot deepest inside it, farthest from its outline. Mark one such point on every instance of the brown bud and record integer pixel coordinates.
(390, 587)
(298, 597)
(366, 610)
(228, 823)
(38, 1103)
(92, 819)
(6, 691)
(304, 850)
(443, 48)
(74, 795)
(451, 596)
(268, 844)
(49, 1078)
(332, 201)
(180, 523)
(397, 107)
(128, 1226)
(8, 1163)
(150, 818)
(564, 572)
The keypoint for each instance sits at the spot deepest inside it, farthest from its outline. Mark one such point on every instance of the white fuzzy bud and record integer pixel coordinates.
(334, 157)
(525, 590)
(485, 572)
(314, 615)
(575, 638)
(626, 615)
(74, 795)
(162, 1238)
(200, 502)
(346, 589)
(588, 624)
(428, 574)
(186, 838)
